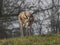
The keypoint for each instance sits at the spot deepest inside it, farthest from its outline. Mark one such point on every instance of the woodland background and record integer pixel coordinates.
(46, 14)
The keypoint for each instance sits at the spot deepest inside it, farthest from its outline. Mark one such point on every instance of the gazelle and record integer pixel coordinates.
(26, 20)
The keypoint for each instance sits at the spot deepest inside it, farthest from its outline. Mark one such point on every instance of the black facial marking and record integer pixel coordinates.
(25, 15)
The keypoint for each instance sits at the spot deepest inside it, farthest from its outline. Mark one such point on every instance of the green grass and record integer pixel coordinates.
(32, 40)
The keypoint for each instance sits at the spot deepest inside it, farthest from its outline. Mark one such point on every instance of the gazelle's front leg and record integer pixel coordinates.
(21, 29)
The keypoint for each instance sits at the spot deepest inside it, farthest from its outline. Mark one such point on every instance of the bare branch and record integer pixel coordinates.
(35, 11)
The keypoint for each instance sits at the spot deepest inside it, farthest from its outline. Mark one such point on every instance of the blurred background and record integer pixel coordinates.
(46, 14)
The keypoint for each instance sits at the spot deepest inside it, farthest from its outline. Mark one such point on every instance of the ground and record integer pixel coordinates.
(33, 40)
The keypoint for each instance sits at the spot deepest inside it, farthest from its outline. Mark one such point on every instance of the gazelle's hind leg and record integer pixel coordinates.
(27, 31)
(31, 31)
(21, 29)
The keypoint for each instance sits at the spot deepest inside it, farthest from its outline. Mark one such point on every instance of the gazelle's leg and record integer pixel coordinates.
(26, 31)
(31, 30)
(21, 29)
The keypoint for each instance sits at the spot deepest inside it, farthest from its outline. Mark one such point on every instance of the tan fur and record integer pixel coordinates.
(25, 19)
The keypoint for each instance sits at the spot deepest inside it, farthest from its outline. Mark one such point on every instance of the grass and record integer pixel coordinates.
(32, 40)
